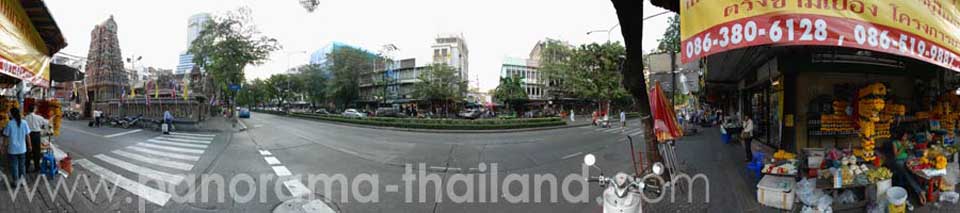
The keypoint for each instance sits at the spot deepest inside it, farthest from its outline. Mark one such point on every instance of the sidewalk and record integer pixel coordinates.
(732, 188)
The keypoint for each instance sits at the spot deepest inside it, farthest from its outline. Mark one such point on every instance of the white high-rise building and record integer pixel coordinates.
(194, 25)
(452, 50)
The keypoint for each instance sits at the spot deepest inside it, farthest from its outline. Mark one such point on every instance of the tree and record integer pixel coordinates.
(596, 72)
(631, 25)
(671, 38)
(283, 87)
(347, 64)
(555, 65)
(439, 83)
(511, 92)
(227, 44)
(314, 83)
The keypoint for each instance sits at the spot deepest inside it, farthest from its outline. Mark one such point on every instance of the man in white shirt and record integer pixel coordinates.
(36, 124)
(623, 119)
(97, 114)
(747, 137)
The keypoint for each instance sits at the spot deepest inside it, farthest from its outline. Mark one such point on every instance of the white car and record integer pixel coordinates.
(353, 113)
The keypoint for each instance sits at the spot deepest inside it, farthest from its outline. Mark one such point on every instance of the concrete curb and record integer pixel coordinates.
(439, 130)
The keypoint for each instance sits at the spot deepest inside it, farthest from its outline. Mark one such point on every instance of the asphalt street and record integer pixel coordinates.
(277, 155)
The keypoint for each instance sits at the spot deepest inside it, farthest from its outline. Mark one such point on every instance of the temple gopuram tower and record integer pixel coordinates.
(106, 77)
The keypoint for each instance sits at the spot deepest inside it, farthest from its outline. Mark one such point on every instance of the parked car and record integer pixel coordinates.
(244, 113)
(389, 112)
(353, 113)
(470, 114)
(321, 111)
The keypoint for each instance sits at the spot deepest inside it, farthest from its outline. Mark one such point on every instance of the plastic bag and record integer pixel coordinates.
(847, 197)
(825, 202)
(811, 198)
(57, 153)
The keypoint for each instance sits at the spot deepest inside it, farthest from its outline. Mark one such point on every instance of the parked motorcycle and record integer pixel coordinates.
(624, 192)
(72, 115)
(131, 121)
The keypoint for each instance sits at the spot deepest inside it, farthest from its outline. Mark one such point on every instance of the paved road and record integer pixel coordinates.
(272, 161)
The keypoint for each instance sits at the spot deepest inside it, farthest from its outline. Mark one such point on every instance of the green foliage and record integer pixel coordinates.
(451, 124)
(590, 71)
(314, 83)
(254, 93)
(439, 82)
(347, 64)
(229, 43)
(671, 38)
(511, 92)
(554, 64)
(283, 87)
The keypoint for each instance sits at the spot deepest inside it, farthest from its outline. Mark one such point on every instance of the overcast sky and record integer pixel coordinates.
(493, 29)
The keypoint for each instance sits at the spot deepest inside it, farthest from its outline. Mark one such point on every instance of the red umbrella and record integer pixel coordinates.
(665, 124)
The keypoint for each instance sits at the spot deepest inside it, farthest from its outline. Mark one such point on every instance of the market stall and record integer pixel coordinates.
(28, 39)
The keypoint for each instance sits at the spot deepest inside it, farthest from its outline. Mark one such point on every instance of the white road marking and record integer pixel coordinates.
(165, 154)
(281, 171)
(182, 140)
(571, 155)
(632, 131)
(272, 160)
(258, 126)
(142, 171)
(585, 127)
(188, 145)
(187, 137)
(123, 133)
(296, 188)
(155, 161)
(150, 194)
(445, 168)
(611, 130)
(170, 148)
(192, 134)
(265, 152)
(636, 133)
(598, 129)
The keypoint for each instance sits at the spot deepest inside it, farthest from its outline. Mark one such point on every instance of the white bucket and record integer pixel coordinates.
(897, 195)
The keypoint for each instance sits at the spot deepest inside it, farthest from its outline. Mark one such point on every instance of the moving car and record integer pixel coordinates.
(244, 113)
(353, 113)
(389, 112)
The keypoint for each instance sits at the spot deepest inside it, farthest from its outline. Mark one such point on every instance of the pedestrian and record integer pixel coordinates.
(747, 137)
(36, 124)
(572, 116)
(623, 119)
(97, 117)
(16, 132)
(595, 115)
(168, 120)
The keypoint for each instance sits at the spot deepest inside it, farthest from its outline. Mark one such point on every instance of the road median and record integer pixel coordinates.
(438, 125)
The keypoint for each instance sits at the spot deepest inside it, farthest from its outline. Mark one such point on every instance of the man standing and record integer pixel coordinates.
(97, 116)
(747, 136)
(36, 124)
(168, 121)
(572, 116)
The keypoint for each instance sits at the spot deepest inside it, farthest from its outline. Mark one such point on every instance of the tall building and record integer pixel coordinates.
(106, 76)
(319, 56)
(452, 50)
(195, 24)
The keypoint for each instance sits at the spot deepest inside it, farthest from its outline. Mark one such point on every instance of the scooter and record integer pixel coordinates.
(623, 192)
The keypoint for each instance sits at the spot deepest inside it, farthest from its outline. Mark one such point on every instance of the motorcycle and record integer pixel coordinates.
(72, 115)
(131, 121)
(624, 192)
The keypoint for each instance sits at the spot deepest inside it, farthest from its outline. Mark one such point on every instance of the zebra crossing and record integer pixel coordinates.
(632, 129)
(165, 158)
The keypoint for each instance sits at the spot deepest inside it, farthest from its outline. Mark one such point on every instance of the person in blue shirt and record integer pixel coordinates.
(18, 132)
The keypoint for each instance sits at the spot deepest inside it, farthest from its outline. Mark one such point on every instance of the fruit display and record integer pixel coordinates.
(941, 162)
(784, 155)
(879, 174)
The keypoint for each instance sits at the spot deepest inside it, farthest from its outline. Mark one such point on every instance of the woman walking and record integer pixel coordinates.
(17, 132)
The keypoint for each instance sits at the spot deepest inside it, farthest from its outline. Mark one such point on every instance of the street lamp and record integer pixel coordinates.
(606, 31)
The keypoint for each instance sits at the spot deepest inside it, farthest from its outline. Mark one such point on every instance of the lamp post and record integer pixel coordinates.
(608, 31)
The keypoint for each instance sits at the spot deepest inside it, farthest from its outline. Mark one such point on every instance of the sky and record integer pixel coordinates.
(654, 27)
(493, 29)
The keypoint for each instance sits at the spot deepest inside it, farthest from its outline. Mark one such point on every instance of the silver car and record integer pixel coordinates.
(353, 113)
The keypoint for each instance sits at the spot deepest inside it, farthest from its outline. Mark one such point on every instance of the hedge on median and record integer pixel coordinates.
(420, 123)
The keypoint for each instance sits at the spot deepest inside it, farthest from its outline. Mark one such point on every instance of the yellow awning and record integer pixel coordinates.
(23, 54)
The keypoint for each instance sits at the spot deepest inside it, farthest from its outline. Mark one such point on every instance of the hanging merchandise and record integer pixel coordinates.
(869, 105)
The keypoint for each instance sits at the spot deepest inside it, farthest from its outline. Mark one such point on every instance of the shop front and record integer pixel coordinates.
(846, 102)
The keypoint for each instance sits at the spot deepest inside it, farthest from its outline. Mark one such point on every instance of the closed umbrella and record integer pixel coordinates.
(665, 125)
